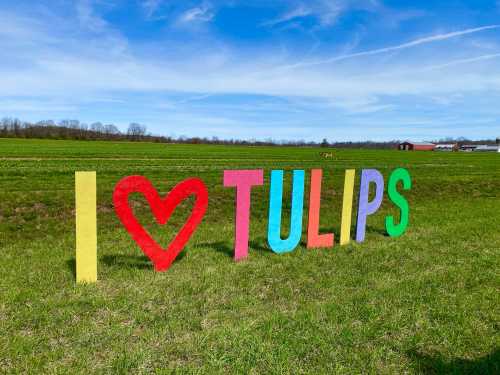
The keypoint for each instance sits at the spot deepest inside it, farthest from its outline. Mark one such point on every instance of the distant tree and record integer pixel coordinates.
(17, 126)
(46, 123)
(136, 131)
(74, 124)
(83, 132)
(71, 124)
(497, 141)
(97, 127)
(4, 127)
(111, 129)
(325, 143)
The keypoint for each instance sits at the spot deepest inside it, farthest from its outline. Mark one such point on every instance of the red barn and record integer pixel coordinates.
(416, 146)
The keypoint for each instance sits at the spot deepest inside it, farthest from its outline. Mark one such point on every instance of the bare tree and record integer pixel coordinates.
(136, 131)
(111, 129)
(97, 127)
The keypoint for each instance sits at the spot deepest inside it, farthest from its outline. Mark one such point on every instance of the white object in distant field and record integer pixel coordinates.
(487, 148)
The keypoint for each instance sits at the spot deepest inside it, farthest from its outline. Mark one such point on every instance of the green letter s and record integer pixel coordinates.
(400, 201)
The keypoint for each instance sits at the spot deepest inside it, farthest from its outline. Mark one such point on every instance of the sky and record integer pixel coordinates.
(345, 70)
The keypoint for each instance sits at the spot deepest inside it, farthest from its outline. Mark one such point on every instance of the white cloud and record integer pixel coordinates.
(57, 74)
(88, 18)
(39, 106)
(21, 30)
(360, 104)
(330, 11)
(150, 7)
(202, 13)
(326, 12)
(413, 43)
(299, 12)
(463, 61)
(90, 66)
(394, 18)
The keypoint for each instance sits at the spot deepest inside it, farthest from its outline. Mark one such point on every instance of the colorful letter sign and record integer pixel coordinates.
(243, 181)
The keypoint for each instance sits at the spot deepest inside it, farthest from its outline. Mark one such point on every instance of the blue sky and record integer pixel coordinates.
(340, 69)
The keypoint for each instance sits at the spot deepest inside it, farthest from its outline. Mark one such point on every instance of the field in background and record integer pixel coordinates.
(427, 301)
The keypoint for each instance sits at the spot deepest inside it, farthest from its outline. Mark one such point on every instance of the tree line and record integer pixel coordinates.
(74, 129)
(464, 141)
(71, 129)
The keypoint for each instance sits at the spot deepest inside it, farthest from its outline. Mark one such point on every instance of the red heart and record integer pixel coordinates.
(162, 209)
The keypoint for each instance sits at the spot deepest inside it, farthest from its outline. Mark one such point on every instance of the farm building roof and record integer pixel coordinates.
(487, 148)
(419, 143)
(450, 145)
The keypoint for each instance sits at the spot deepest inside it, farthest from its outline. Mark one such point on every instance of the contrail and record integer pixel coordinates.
(413, 43)
(462, 61)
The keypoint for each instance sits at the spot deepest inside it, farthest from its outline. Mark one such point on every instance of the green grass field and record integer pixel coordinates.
(425, 302)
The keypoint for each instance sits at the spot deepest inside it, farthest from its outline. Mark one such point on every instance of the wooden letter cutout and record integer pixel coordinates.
(366, 208)
(275, 205)
(345, 229)
(314, 239)
(162, 209)
(86, 227)
(243, 180)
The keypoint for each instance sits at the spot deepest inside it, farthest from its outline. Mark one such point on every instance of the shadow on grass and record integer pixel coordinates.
(428, 364)
(331, 229)
(219, 246)
(132, 261)
(260, 244)
(369, 229)
(122, 260)
(71, 264)
(226, 248)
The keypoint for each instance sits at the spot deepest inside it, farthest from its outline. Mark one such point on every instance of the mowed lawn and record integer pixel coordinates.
(425, 302)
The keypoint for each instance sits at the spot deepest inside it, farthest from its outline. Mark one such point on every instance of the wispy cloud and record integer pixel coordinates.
(462, 61)
(414, 43)
(326, 12)
(202, 13)
(394, 18)
(329, 11)
(93, 72)
(21, 31)
(211, 85)
(298, 12)
(30, 105)
(150, 7)
(88, 18)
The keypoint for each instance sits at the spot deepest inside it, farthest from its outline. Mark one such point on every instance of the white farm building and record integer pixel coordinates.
(487, 148)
